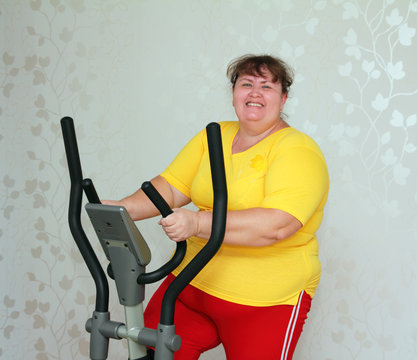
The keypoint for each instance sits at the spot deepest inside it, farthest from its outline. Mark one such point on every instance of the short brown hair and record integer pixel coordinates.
(257, 64)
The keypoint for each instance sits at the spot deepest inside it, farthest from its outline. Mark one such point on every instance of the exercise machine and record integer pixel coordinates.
(129, 254)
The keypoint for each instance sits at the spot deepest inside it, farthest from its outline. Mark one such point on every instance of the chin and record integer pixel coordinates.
(251, 119)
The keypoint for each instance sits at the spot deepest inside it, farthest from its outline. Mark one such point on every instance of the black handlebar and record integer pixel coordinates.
(217, 229)
(90, 191)
(74, 215)
(156, 198)
(165, 210)
(193, 268)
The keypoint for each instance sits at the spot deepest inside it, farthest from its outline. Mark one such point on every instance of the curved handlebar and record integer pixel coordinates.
(74, 215)
(217, 229)
(156, 198)
(193, 268)
(165, 210)
(90, 191)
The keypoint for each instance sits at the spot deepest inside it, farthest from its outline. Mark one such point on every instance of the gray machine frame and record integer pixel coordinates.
(129, 254)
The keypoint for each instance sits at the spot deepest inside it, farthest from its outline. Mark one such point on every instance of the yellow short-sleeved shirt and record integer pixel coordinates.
(286, 171)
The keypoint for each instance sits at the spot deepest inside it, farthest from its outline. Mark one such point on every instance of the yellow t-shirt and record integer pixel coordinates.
(286, 171)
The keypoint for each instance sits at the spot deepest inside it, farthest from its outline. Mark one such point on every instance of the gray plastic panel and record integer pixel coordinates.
(115, 228)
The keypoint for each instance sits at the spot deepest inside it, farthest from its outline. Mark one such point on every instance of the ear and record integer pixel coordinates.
(284, 98)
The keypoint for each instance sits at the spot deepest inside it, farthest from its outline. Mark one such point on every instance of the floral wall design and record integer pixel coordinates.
(140, 78)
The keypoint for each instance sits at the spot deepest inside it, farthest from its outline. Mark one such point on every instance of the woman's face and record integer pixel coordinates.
(258, 100)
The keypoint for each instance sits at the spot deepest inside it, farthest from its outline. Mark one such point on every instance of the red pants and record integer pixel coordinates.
(246, 332)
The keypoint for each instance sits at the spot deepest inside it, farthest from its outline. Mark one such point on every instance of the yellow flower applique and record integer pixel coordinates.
(259, 163)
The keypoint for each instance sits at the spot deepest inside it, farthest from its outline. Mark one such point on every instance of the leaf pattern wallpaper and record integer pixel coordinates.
(140, 78)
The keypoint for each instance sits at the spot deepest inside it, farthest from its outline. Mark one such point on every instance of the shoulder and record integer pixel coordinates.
(301, 156)
(290, 139)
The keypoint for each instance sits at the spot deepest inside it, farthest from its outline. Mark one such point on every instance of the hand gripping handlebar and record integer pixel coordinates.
(165, 210)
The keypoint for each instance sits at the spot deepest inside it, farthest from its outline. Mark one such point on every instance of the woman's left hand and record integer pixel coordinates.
(180, 225)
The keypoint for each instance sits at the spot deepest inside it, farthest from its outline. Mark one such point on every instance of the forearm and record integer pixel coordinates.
(251, 227)
(140, 207)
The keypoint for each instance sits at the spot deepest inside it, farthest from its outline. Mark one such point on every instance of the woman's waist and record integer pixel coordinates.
(254, 277)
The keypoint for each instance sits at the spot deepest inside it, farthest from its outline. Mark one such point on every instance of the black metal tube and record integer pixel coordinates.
(156, 198)
(90, 191)
(165, 210)
(164, 270)
(217, 230)
(74, 215)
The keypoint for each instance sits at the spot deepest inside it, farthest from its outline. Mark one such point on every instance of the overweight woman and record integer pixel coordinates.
(254, 295)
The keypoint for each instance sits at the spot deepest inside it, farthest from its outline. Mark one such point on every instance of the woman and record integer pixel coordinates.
(254, 295)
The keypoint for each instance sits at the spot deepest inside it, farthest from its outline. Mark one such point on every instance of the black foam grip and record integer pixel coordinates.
(156, 198)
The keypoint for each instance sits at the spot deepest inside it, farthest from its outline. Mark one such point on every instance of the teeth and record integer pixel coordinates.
(254, 104)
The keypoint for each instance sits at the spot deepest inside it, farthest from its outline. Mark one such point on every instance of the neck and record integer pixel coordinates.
(246, 138)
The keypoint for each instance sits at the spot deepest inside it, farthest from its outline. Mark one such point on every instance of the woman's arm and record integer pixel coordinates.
(251, 227)
(140, 207)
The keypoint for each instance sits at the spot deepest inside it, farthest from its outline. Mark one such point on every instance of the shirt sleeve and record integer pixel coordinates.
(181, 172)
(297, 181)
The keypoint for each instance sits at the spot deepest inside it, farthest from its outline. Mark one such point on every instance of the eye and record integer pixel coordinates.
(246, 84)
(266, 87)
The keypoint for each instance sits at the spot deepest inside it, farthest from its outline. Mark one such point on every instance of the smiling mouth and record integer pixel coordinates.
(254, 104)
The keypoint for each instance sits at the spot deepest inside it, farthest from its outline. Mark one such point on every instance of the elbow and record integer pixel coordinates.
(282, 234)
(282, 225)
(287, 231)
(274, 237)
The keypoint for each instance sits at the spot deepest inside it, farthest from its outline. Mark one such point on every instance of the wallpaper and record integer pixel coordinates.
(140, 78)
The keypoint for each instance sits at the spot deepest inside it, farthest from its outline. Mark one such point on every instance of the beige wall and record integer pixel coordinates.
(140, 78)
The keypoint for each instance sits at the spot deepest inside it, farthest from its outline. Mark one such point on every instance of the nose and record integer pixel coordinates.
(255, 92)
